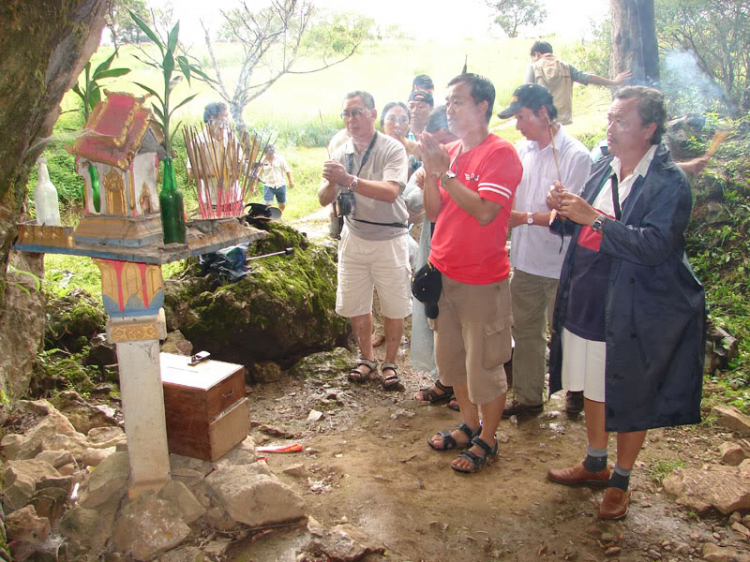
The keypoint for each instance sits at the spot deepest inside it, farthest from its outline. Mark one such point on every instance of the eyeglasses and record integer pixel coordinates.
(395, 119)
(353, 114)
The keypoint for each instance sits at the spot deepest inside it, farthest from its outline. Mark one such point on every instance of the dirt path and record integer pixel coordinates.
(369, 465)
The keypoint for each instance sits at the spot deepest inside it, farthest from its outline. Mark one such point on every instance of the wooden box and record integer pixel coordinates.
(206, 410)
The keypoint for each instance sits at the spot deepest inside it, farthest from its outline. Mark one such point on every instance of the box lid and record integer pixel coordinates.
(175, 369)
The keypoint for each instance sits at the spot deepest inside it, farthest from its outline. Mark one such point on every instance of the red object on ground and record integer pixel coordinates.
(295, 448)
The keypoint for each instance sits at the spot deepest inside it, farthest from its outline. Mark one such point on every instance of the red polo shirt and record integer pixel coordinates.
(462, 249)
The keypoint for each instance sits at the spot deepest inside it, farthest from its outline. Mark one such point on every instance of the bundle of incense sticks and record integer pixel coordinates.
(719, 137)
(223, 170)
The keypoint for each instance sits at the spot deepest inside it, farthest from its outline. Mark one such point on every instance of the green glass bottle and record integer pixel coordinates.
(95, 193)
(172, 208)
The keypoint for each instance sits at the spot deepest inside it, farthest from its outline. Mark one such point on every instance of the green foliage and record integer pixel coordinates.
(514, 14)
(90, 91)
(119, 22)
(719, 254)
(58, 370)
(662, 468)
(593, 55)
(705, 45)
(170, 64)
(336, 34)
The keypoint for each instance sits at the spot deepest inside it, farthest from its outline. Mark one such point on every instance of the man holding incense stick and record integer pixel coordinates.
(536, 254)
(366, 177)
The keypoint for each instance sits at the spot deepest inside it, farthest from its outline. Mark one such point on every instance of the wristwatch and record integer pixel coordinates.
(352, 186)
(529, 218)
(447, 175)
(598, 224)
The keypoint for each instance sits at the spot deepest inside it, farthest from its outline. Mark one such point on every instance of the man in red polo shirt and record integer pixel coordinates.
(469, 188)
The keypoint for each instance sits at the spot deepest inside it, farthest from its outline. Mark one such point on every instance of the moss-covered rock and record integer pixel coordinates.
(56, 371)
(73, 320)
(282, 310)
(326, 365)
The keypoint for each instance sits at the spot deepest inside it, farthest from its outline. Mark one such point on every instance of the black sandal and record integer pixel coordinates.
(390, 382)
(449, 442)
(452, 405)
(356, 374)
(430, 396)
(477, 461)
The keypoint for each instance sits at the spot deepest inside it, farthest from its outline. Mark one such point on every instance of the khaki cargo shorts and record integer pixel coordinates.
(473, 337)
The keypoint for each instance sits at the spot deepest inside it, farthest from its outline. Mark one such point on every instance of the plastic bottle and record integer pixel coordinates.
(45, 198)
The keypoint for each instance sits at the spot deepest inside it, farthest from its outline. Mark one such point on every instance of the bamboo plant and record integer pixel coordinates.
(90, 91)
(172, 69)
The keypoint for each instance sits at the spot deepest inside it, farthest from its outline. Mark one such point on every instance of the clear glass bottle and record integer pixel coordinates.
(45, 198)
(172, 207)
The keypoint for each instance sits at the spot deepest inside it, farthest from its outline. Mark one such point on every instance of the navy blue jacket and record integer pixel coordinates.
(655, 311)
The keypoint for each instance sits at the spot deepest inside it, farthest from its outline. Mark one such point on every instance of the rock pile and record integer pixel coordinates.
(57, 478)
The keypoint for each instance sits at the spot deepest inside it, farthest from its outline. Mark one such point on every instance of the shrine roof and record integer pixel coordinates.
(114, 131)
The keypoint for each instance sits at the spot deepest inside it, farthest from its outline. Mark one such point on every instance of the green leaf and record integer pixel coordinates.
(150, 91)
(95, 96)
(184, 66)
(183, 102)
(147, 30)
(168, 67)
(195, 70)
(105, 65)
(78, 91)
(145, 61)
(111, 73)
(172, 39)
(174, 131)
(158, 111)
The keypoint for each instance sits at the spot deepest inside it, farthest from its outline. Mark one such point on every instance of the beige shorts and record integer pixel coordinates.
(364, 264)
(583, 365)
(473, 337)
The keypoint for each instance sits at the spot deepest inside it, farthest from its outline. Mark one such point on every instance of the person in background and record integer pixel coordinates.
(558, 78)
(536, 254)
(394, 121)
(422, 350)
(370, 170)
(422, 83)
(468, 193)
(273, 171)
(420, 105)
(630, 315)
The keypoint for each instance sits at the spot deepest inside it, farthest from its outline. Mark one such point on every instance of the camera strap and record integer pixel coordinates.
(365, 157)
(350, 167)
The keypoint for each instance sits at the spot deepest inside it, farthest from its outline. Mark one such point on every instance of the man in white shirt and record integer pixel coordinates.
(537, 254)
(272, 174)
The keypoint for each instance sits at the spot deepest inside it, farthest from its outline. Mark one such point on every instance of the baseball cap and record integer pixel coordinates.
(419, 95)
(531, 96)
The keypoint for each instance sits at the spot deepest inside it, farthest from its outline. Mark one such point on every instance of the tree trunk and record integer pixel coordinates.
(634, 45)
(43, 48)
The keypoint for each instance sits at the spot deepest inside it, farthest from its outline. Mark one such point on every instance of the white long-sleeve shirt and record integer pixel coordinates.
(534, 249)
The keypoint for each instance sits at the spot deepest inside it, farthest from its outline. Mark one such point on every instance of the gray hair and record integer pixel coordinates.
(437, 120)
(651, 107)
(366, 98)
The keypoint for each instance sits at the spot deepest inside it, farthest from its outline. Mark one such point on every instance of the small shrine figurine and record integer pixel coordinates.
(118, 158)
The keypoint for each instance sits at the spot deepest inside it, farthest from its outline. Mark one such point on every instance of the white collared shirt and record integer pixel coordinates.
(603, 201)
(534, 249)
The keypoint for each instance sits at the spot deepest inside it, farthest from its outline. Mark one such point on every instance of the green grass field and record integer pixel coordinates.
(290, 110)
